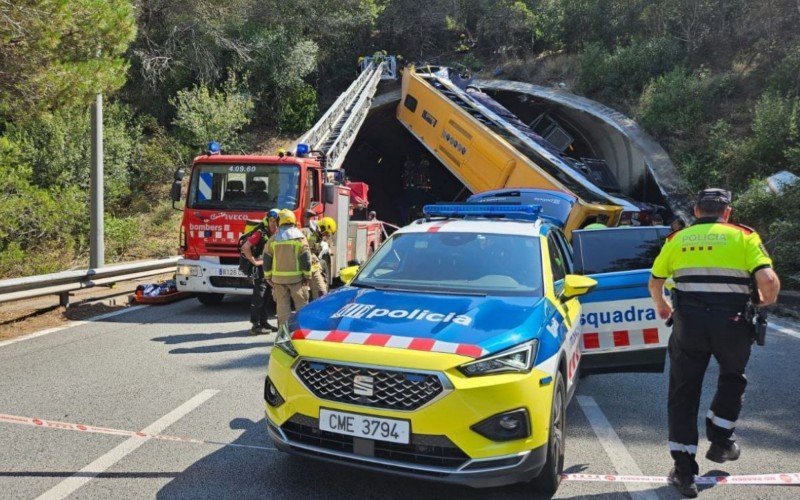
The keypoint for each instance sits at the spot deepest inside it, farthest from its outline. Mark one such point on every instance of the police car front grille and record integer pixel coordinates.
(430, 450)
(391, 389)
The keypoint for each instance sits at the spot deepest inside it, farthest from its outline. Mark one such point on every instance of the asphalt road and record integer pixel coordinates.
(188, 370)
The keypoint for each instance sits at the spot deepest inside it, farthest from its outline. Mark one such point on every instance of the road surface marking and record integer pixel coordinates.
(622, 461)
(72, 483)
(784, 329)
(71, 324)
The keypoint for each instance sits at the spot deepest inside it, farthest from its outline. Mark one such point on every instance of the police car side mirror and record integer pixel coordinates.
(347, 274)
(576, 285)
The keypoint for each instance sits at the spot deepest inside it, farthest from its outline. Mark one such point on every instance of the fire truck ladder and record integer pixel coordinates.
(335, 132)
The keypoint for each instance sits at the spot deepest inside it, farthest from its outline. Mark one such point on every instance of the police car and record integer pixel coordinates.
(454, 351)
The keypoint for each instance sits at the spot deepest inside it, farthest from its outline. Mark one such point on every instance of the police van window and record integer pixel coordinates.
(621, 249)
(556, 259)
(566, 249)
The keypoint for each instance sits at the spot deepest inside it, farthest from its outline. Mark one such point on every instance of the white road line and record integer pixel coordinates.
(71, 324)
(622, 461)
(784, 329)
(88, 473)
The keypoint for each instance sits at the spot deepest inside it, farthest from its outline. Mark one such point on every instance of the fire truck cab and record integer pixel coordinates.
(225, 191)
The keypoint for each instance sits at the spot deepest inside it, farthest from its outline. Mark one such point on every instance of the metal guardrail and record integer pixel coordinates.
(64, 282)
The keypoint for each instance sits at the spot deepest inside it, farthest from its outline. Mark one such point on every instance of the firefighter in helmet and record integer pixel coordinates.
(319, 234)
(287, 266)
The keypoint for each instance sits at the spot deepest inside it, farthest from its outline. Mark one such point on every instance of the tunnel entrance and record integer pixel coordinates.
(403, 175)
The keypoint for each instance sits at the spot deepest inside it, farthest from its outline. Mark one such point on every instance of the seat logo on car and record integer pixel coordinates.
(363, 385)
(369, 311)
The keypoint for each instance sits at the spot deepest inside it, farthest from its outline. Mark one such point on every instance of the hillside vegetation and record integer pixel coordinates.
(717, 82)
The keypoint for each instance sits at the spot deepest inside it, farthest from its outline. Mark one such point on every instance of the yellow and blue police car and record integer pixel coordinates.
(451, 355)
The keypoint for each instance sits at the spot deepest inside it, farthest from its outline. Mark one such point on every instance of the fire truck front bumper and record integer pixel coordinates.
(208, 275)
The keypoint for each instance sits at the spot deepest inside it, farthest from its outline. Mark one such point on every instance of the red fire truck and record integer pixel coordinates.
(225, 191)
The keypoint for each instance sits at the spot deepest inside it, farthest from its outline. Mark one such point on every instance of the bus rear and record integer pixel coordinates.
(483, 151)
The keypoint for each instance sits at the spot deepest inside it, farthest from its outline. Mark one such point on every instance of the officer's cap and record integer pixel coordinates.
(715, 195)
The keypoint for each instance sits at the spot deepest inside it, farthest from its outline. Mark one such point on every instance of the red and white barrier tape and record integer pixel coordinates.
(765, 479)
(91, 429)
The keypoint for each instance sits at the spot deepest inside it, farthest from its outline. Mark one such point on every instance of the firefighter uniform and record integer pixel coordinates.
(317, 283)
(317, 236)
(287, 264)
(712, 263)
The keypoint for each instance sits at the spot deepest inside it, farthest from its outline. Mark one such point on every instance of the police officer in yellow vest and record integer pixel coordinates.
(717, 267)
(287, 266)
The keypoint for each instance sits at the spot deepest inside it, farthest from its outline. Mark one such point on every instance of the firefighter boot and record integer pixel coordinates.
(684, 483)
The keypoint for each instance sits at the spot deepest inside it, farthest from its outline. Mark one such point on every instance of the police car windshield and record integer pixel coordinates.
(445, 262)
(244, 187)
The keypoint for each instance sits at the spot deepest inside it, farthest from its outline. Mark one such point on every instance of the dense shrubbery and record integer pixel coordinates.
(624, 72)
(674, 104)
(776, 219)
(204, 114)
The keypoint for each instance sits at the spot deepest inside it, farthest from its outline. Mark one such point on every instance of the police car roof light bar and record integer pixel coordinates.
(500, 210)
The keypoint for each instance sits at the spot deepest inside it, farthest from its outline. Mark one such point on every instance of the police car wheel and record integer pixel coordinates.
(550, 477)
(210, 299)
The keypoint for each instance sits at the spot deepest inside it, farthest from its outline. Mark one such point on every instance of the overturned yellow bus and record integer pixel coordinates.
(480, 143)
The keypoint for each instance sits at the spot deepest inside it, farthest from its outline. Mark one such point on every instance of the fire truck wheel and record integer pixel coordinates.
(210, 299)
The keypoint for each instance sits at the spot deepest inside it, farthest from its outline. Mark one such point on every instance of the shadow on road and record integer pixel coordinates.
(244, 473)
(250, 361)
(220, 348)
(200, 337)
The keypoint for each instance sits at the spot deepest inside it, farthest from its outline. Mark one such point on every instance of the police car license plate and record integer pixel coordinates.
(232, 272)
(365, 426)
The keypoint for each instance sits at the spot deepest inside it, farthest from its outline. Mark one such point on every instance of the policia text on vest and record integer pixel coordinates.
(717, 266)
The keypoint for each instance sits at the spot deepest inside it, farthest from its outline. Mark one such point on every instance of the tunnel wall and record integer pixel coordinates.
(630, 152)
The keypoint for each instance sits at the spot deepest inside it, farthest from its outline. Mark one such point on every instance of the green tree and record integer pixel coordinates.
(57, 147)
(204, 114)
(56, 54)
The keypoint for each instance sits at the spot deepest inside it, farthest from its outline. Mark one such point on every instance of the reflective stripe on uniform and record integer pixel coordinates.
(685, 448)
(719, 421)
(711, 271)
(712, 287)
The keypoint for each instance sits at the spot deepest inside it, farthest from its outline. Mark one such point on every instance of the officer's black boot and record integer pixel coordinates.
(684, 483)
(721, 453)
(267, 327)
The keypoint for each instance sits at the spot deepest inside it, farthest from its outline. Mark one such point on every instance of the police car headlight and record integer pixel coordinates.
(283, 341)
(188, 270)
(518, 359)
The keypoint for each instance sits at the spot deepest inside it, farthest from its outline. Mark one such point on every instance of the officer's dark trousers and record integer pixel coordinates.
(261, 300)
(698, 334)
